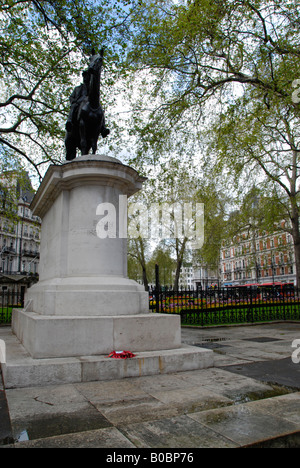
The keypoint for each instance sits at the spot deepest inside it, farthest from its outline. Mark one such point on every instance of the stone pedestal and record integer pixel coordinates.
(84, 305)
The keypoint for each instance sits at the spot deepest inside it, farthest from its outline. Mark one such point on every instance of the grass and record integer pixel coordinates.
(6, 313)
(238, 315)
(234, 314)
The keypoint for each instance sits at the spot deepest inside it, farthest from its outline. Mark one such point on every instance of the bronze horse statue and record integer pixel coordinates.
(86, 119)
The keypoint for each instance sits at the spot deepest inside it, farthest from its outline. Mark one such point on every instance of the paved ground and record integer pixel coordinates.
(250, 398)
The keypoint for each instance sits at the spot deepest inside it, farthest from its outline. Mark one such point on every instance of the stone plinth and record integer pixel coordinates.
(84, 303)
(19, 369)
(80, 273)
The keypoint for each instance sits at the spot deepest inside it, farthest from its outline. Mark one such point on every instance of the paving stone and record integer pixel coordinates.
(284, 406)
(202, 408)
(244, 424)
(24, 402)
(179, 432)
(110, 438)
(281, 372)
(43, 426)
(6, 435)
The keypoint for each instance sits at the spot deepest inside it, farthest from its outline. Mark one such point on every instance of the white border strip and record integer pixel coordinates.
(2, 352)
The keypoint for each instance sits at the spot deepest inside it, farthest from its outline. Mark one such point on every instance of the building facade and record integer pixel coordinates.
(19, 229)
(258, 258)
(186, 277)
(205, 277)
(198, 276)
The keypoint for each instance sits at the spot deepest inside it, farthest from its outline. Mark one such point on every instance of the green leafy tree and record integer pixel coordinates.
(138, 258)
(196, 51)
(44, 47)
(262, 143)
(233, 65)
(175, 192)
(162, 256)
(217, 204)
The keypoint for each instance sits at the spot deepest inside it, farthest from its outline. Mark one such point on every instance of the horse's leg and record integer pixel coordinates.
(70, 148)
(94, 145)
(71, 154)
(103, 130)
(83, 139)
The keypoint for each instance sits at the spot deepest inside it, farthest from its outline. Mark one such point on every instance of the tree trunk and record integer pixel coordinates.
(142, 260)
(145, 279)
(179, 260)
(296, 239)
(177, 275)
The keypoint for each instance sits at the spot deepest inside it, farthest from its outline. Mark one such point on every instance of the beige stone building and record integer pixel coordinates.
(258, 258)
(19, 229)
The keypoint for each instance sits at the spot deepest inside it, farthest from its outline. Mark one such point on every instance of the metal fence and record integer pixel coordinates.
(9, 300)
(202, 307)
(227, 305)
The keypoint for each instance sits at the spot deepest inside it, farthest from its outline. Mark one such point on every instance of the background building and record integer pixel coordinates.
(258, 258)
(205, 277)
(19, 229)
(197, 276)
(186, 277)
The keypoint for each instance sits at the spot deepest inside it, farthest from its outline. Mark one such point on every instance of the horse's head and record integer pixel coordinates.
(96, 62)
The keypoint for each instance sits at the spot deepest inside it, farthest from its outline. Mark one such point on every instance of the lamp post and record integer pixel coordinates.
(257, 271)
(21, 236)
(273, 271)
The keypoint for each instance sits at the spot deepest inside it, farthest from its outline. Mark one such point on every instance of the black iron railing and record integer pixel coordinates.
(10, 299)
(227, 305)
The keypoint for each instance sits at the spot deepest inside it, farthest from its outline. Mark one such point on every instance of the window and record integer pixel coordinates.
(273, 259)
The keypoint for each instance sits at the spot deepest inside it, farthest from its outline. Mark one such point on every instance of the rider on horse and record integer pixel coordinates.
(86, 118)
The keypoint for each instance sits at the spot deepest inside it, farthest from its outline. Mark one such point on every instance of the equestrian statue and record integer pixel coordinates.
(86, 118)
